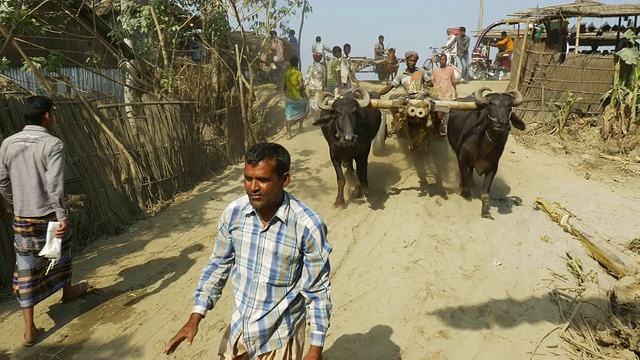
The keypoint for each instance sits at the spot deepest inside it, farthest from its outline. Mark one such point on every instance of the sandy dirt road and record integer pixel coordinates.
(417, 273)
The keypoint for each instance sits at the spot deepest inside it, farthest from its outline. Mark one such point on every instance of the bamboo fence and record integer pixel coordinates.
(545, 79)
(118, 167)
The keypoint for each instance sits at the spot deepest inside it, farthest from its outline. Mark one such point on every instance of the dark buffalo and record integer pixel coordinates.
(349, 126)
(478, 138)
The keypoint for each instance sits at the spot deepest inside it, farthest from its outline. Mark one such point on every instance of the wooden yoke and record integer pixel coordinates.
(431, 104)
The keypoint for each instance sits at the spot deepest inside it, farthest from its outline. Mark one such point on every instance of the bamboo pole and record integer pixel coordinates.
(440, 105)
(522, 57)
(599, 246)
(106, 106)
(578, 35)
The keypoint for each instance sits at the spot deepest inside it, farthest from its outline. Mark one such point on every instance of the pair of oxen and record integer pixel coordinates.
(478, 128)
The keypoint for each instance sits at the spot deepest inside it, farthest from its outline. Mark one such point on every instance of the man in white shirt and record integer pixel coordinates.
(450, 48)
(347, 76)
(321, 48)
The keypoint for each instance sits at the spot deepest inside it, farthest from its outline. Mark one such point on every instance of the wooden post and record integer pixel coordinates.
(578, 34)
(522, 56)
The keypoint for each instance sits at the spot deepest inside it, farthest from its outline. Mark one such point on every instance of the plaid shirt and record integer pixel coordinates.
(316, 77)
(32, 173)
(280, 273)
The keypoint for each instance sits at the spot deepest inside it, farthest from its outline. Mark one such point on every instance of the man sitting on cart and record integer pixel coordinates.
(413, 79)
(505, 47)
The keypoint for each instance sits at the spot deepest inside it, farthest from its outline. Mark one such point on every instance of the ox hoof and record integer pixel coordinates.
(339, 204)
(466, 194)
(357, 193)
(487, 216)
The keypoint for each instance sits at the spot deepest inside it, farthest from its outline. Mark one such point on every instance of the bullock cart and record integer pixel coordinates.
(411, 118)
(367, 65)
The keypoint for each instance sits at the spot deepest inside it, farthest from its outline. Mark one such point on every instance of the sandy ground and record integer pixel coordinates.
(417, 273)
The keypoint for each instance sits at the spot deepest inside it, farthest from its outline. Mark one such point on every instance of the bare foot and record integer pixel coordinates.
(73, 292)
(31, 338)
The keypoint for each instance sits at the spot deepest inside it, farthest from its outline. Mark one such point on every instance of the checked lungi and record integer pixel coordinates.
(30, 284)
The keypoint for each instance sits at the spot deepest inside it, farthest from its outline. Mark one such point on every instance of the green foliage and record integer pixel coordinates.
(4, 63)
(279, 13)
(39, 62)
(92, 59)
(626, 87)
(167, 78)
(15, 15)
(55, 62)
(562, 109)
(630, 55)
(52, 63)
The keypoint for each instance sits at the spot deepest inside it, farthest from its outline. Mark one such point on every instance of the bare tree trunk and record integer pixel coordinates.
(304, 9)
(162, 45)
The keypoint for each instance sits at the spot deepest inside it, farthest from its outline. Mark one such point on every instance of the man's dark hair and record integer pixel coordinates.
(318, 39)
(294, 61)
(504, 33)
(292, 32)
(380, 37)
(346, 45)
(336, 49)
(463, 29)
(272, 33)
(269, 151)
(35, 107)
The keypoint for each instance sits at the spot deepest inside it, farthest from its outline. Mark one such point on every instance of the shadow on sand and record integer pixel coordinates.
(376, 344)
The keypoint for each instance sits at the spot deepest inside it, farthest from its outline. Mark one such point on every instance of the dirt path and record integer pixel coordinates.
(417, 274)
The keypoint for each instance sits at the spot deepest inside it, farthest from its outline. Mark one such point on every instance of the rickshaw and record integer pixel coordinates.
(481, 64)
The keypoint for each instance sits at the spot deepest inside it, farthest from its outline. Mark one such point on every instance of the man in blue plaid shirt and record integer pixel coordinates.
(276, 251)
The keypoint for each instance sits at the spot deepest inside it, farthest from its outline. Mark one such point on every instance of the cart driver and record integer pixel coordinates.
(413, 79)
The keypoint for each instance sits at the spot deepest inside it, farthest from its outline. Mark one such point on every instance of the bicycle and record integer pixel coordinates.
(433, 60)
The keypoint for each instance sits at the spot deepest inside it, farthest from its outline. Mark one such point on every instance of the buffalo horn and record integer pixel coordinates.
(480, 99)
(366, 100)
(517, 97)
(322, 100)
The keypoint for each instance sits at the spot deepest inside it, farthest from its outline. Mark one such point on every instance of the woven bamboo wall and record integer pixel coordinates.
(544, 79)
(104, 190)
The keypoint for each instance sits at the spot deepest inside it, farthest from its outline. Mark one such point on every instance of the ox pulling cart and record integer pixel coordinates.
(367, 65)
(412, 117)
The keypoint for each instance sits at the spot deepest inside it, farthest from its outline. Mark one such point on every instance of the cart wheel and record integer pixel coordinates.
(381, 136)
(477, 71)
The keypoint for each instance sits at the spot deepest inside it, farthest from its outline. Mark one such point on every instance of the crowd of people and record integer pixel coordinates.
(336, 73)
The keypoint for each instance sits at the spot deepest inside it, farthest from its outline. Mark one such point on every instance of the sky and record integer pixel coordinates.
(408, 25)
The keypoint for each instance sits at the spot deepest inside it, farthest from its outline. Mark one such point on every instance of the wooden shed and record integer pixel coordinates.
(548, 70)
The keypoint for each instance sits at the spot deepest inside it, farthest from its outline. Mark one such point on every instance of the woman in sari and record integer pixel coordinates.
(296, 105)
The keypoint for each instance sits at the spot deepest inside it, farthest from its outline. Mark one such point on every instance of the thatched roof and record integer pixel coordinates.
(585, 8)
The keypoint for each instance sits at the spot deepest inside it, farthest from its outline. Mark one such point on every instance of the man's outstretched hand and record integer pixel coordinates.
(188, 332)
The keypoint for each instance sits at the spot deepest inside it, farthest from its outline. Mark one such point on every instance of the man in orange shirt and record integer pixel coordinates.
(504, 45)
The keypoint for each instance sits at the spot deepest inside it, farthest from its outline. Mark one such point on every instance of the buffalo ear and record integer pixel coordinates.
(323, 120)
(516, 122)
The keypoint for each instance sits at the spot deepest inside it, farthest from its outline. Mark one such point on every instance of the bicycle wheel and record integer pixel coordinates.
(477, 71)
(428, 65)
